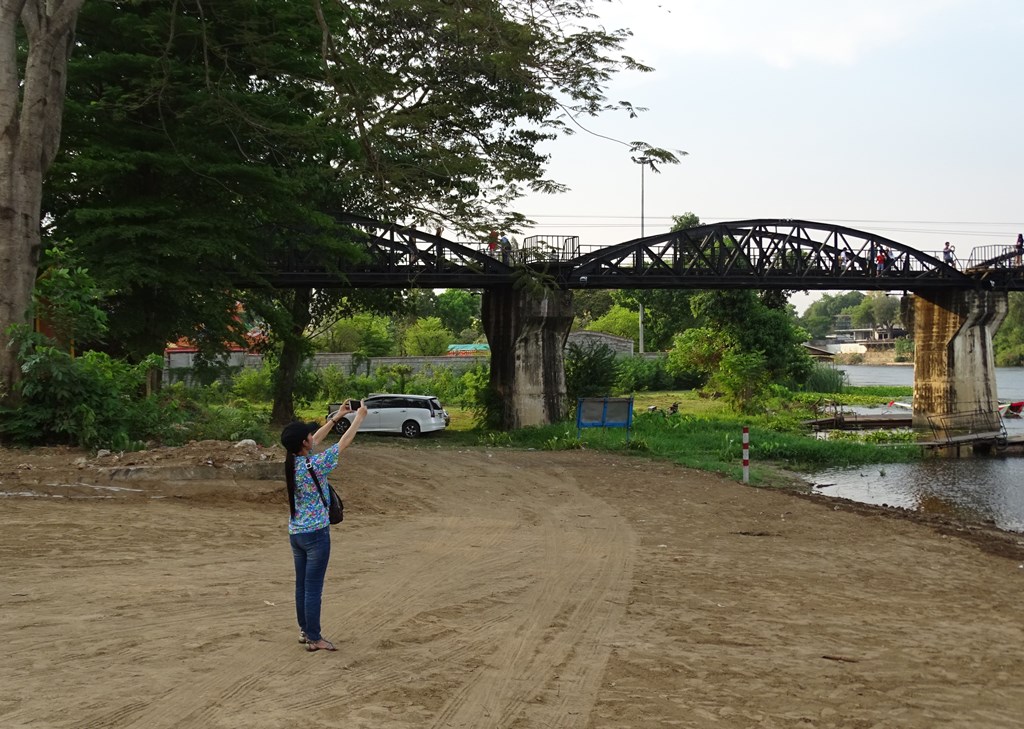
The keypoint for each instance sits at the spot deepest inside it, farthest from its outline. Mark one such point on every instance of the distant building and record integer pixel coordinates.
(469, 350)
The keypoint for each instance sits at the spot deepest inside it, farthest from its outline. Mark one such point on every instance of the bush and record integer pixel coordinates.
(334, 384)
(637, 374)
(825, 378)
(254, 384)
(904, 349)
(90, 401)
(589, 370)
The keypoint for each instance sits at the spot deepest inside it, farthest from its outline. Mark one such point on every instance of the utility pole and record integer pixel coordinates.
(643, 160)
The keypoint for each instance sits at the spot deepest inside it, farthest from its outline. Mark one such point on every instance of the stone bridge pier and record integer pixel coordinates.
(954, 368)
(527, 328)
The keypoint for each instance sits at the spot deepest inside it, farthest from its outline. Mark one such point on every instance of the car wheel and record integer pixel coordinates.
(410, 428)
(341, 426)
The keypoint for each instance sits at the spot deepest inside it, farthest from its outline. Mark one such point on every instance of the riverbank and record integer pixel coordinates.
(489, 587)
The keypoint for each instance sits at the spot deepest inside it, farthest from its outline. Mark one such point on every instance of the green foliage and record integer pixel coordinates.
(194, 144)
(742, 378)
(90, 401)
(685, 221)
(497, 439)
(824, 378)
(697, 350)
(364, 333)
(254, 384)
(444, 382)
(904, 349)
(459, 310)
(481, 398)
(634, 374)
(618, 321)
(589, 370)
(200, 413)
(590, 304)
(881, 436)
(308, 385)
(67, 297)
(427, 337)
(1008, 342)
(877, 310)
(712, 443)
(820, 317)
(395, 377)
(743, 345)
(334, 384)
(564, 441)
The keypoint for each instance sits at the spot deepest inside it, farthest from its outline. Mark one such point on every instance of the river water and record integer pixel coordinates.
(978, 488)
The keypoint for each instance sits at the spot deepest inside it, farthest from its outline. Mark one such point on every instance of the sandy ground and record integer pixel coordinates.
(490, 588)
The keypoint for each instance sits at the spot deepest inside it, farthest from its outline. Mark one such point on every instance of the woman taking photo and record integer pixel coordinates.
(309, 528)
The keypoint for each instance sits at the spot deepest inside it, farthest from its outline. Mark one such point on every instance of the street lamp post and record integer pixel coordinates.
(643, 160)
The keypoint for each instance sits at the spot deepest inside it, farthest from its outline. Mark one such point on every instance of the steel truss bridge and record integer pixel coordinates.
(762, 254)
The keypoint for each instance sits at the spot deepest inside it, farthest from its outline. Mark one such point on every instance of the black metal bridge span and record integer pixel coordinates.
(762, 254)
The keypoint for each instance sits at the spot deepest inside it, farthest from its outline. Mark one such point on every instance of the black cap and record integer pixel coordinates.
(295, 434)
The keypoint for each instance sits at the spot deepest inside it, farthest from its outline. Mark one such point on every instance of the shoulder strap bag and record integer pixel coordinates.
(335, 507)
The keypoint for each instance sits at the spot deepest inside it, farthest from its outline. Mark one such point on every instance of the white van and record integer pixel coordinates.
(409, 415)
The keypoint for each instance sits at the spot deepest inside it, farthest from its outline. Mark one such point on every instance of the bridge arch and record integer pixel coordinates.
(769, 254)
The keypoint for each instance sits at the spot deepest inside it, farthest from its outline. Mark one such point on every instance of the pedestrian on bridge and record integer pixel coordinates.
(1019, 247)
(845, 260)
(506, 248)
(948, 254)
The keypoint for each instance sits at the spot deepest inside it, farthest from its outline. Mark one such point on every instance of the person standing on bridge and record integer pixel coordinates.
(506, 248)
(845, 260)
(947, 254)
(1019, 247)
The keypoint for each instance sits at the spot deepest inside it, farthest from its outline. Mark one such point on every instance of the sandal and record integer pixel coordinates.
(320, 645)
(302, 637)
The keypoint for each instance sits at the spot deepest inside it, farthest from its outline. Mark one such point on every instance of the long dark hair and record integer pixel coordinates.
(289, 477)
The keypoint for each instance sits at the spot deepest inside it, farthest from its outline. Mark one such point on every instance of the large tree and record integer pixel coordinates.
(819, 318)
(196, 145)
(35, 42)
(204, 137)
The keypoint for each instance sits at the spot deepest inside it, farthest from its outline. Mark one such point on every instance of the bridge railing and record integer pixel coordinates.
(541, 249)
(1001, 256)
(963, 427)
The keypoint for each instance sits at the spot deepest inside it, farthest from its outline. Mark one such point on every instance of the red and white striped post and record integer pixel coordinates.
(746, 454)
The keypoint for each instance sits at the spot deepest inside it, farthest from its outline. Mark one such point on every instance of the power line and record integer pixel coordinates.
(936, 227)
(747, 217)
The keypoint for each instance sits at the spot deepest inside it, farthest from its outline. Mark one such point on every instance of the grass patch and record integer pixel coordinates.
(705, 435)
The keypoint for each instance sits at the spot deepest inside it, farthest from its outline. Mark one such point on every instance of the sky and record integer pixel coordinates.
(901, 118)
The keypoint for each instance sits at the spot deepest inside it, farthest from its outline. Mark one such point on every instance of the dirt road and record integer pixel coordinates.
(490, 588)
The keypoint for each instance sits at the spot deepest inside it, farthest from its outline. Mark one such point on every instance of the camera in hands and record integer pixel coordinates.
(354, 405)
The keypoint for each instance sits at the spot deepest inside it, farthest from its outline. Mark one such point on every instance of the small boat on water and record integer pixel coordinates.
(1006, 409)
(1012, 409)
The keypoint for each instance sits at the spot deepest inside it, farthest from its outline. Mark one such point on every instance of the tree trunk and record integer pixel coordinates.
(31, 106)
(293, 351)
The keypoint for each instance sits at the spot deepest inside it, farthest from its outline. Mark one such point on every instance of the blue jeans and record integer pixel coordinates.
(312, 551)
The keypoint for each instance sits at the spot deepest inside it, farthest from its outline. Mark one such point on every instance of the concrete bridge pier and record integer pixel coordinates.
(954, 366)
(527, 328)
